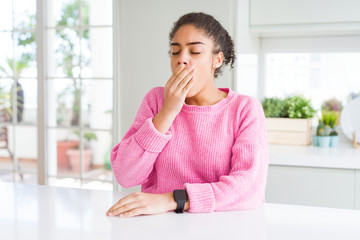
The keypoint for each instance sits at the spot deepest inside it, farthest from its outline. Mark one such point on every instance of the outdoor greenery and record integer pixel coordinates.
(69, 62)
(14, 67)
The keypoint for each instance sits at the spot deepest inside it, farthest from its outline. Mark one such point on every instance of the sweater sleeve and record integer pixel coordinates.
(132, 160)
(244, 187)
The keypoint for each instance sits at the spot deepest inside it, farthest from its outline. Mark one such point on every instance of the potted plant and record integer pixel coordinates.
(74, 154)
(288, 121)
(334, 105)
(326, 135)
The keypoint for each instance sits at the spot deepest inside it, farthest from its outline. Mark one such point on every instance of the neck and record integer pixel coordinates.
(208, 96)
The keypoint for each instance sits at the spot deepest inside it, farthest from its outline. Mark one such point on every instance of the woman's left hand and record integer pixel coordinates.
(143, 203)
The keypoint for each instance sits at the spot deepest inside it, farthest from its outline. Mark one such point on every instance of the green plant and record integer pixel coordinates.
(273, 107)
(67, 61)
(298, 107)
(332, 104)
(327, 124)
(329, 118)
(5, 99)
(14, 67)
(323, 129)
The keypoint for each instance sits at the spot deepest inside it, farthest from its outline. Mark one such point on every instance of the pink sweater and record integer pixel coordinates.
(217, 153)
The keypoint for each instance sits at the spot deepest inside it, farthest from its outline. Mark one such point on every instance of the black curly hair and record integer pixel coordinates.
(222, 40)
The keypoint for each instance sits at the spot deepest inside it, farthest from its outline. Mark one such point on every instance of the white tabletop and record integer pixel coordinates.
(43, 212)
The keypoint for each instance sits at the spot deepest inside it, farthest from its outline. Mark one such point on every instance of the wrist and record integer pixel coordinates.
(172, 205)
(168, 114)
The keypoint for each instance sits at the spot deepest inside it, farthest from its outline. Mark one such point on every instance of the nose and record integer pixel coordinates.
(183, 58)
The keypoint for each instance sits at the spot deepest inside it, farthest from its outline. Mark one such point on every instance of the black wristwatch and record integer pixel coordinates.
(180, 197)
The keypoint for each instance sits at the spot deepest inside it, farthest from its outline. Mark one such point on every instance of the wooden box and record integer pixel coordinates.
(288, 131)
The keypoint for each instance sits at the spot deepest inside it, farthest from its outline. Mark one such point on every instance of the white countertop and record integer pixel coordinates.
(344, 156)
(43, 212)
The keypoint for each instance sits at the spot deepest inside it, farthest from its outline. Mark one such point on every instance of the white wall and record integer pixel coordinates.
(144, 59)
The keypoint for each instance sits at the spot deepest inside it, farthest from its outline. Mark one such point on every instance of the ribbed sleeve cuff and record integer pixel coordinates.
(201, 197)
(150, 138)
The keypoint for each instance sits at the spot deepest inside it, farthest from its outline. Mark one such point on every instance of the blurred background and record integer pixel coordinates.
(73, 74)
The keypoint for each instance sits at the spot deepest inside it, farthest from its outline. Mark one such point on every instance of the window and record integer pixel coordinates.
(18, 91)
(318, 76)
(79, 92)
(317, 67)
(79, 87)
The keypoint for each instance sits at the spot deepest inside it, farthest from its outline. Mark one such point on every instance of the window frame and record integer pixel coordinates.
(42, 126)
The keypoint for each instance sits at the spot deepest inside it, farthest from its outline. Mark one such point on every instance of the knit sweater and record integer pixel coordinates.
(217, 153)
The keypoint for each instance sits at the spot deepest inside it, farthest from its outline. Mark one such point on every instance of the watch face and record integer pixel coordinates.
(180, 195)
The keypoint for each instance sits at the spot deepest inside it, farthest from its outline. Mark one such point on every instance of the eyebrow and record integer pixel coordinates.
(190, 43)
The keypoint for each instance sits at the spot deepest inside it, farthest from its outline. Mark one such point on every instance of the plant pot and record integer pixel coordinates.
(324, 141)
(74, 157)
(62, 157)
(334, 141)
(315, 140)
(288, 131)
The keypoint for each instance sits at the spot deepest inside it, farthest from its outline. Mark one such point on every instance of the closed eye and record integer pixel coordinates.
(191, 53)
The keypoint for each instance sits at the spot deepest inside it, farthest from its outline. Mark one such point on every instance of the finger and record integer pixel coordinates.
(188, 86)
(182, 75)
(185, 81)
(177, 71)
(124, 200)
(126, 208)
(134, 212)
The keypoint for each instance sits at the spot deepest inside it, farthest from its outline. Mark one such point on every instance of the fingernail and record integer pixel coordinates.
(110, 214)
(121, 215)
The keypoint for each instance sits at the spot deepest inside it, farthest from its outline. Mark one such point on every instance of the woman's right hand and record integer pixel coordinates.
(176, 89)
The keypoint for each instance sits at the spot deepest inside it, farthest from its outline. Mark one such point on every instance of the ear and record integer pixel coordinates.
(218, 60)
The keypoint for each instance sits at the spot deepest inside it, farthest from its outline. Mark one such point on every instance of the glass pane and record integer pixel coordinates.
(25, 52)
(96, 53)
(5, 15)
(63, 13)
(95, 13)
(63, 53)
(24, 14)
(6, 109)
(96, 157)
(63, 102)
(6, 56)
(97, 104)
(61, 143)
(27, 109)
(26, 147)
(319, 76)
(6, 149)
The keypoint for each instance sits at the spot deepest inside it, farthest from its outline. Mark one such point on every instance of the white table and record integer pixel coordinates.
(43, 212)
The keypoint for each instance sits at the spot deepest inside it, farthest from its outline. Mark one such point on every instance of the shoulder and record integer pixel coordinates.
(154, 99)
(246, 103)
(155, 94)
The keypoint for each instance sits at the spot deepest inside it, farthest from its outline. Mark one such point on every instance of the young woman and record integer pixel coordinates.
(193, 146)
